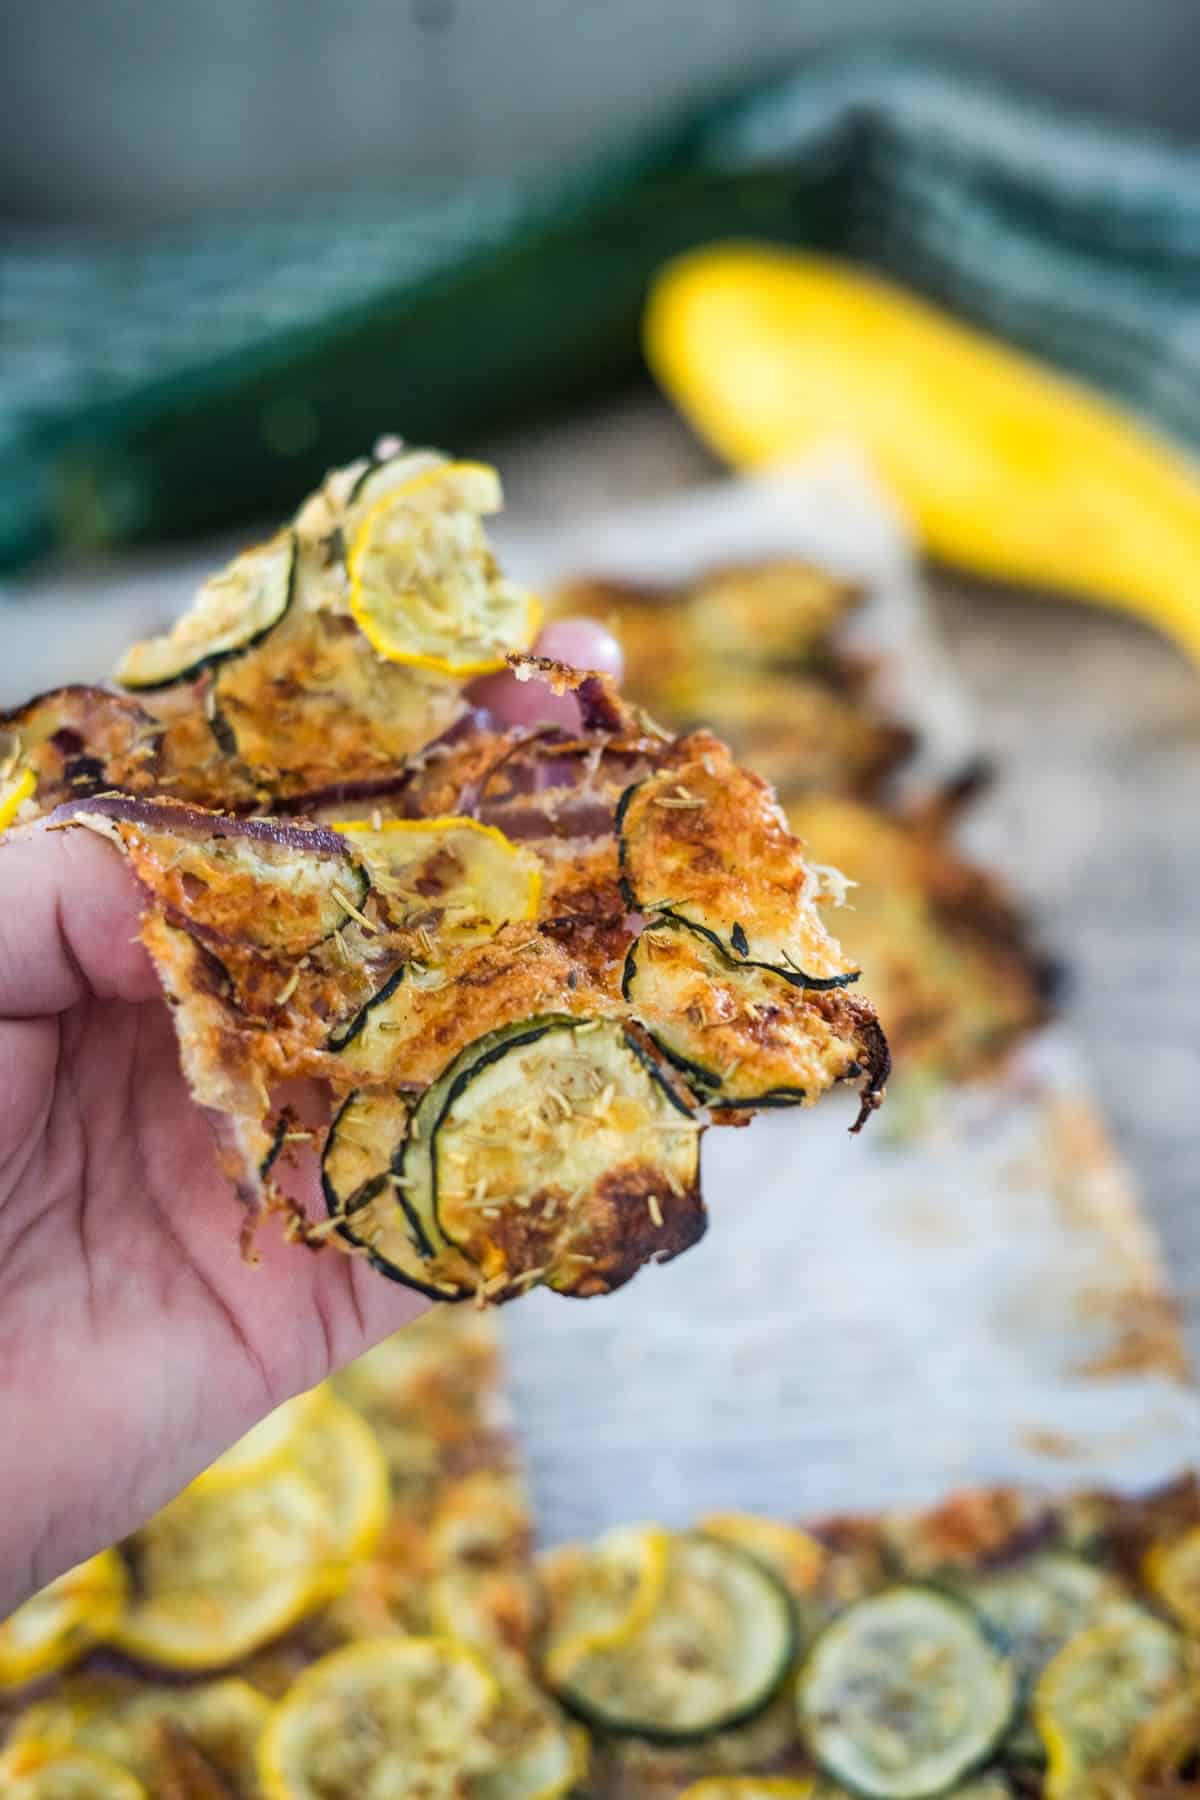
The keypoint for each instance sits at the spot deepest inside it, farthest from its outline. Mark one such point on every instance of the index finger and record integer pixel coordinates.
(584, 644)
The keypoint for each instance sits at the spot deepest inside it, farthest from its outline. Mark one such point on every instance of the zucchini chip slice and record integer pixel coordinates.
(424, 586)
(123, 1721)
(314, 710)
(363, 1193)
(232, 612)
(703, 842)
(256, 883)
(390, 1716)
(740, 1035)
(555, 1151)
(601, 1596)
(712, 1653)
(1172, 1573)
(220, 1571)
(45, 1771)
(1100, 1688)
(55, 1627)
(453, 880)
(904, 1695)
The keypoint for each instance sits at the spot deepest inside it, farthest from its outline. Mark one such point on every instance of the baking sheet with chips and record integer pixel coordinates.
(968, 1295)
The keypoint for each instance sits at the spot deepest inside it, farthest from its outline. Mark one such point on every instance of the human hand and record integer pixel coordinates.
(135, 1344)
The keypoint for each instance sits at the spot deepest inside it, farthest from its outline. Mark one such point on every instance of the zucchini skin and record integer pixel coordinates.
(341, 1035)
(680, 1235)
(706, 1082)
(335, 1205)
(597, 1719)
(214, 659)
(797, 978)
(978, 1763)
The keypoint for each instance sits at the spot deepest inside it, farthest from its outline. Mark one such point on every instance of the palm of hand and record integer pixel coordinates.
(135, 1344)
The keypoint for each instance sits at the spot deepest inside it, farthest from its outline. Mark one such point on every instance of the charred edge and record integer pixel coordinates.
(85, 775)
(739, 940)
(878, 1065)
(269, 1160)
(340, 1036)
(600, 705)
(224, 736)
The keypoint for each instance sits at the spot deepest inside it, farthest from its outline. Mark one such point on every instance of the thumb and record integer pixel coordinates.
(69, 921)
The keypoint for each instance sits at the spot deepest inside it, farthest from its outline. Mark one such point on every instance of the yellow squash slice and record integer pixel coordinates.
(340, 1455)
(13, 794)
(601, 1596)
(424, 587)
(55, 1627)
(791, 1554)
(33, 1771)
(266, 1445)
(221, 1571)
(387, 1717)
(122, 1720)
(1173, 1573)
(1094, 1695)
(713, 1653)
(453, 879)
(1008, 469)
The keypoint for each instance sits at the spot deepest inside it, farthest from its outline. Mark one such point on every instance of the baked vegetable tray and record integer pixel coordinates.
(882, 1489)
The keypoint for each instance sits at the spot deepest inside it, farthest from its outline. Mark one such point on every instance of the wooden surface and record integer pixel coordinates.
(1094, 726)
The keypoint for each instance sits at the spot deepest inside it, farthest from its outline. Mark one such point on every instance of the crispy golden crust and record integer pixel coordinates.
(704, 841)
(290, 951)
(282, 962)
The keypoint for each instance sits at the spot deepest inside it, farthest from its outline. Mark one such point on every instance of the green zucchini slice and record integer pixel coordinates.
(233, 611)
(555, 1152)
(1036, 1606)
(358, 1179)
(740, 1035)
(905, 1694)
(711, 1653)
(756, 900)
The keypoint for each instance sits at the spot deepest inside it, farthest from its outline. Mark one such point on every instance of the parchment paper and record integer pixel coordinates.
(972, 1296)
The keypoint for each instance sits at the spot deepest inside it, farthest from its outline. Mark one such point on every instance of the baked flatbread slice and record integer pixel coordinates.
(528, 967)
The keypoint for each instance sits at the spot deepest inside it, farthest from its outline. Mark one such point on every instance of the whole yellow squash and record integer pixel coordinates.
(1006, 468)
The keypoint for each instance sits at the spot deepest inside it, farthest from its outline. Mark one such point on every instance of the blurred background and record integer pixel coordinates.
(239, 241)
(128, 113)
